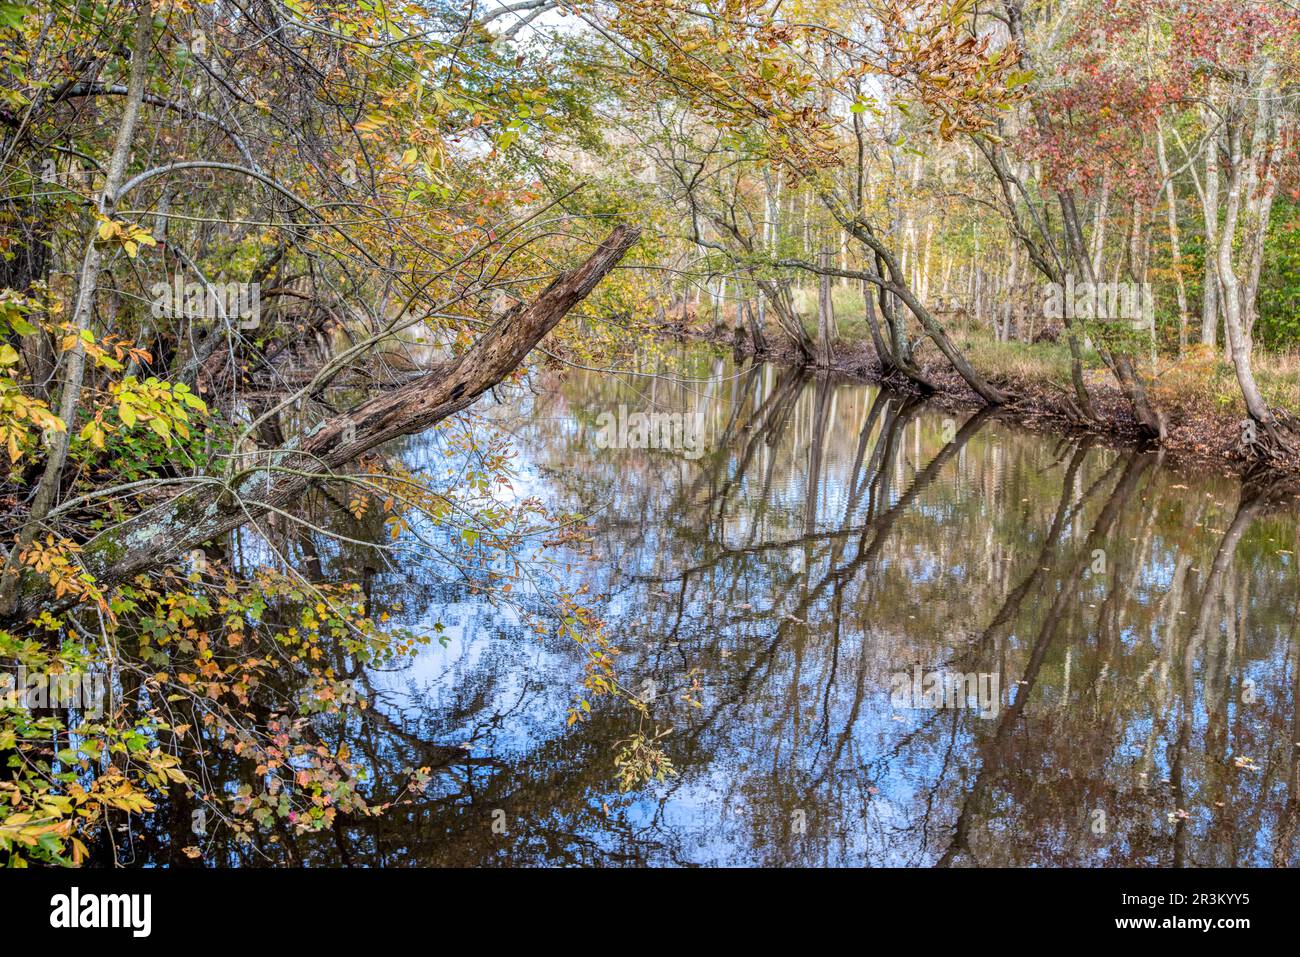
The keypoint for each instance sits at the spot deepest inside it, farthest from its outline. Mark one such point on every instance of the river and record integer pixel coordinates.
(880, 633)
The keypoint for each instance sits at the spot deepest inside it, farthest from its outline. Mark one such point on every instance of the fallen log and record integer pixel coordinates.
(206, 512)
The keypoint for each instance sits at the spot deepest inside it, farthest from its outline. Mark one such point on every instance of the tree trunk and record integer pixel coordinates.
(1175, 240)
(825, 311)
(83, 312)
(1149, 420)
(1210, 277)
(787, 319)
(1099, 226)
(1260, 190)
(1232, 312)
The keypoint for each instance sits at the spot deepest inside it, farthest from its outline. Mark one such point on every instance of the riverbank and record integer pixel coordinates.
(1197, 395)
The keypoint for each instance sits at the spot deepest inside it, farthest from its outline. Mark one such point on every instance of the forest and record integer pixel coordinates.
(305, 306)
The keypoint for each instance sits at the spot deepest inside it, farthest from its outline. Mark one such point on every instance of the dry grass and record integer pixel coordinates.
(1201, 383)
(1011, 362)
(1278, 375)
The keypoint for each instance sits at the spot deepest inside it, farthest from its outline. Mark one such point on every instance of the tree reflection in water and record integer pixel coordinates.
(832, 535)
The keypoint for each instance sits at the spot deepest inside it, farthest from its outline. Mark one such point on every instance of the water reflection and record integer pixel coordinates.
(1141, 625)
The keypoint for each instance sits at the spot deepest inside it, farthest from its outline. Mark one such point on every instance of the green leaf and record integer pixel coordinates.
(11, 15)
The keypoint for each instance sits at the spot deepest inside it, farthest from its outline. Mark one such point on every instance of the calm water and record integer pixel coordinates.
(1132, 629)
